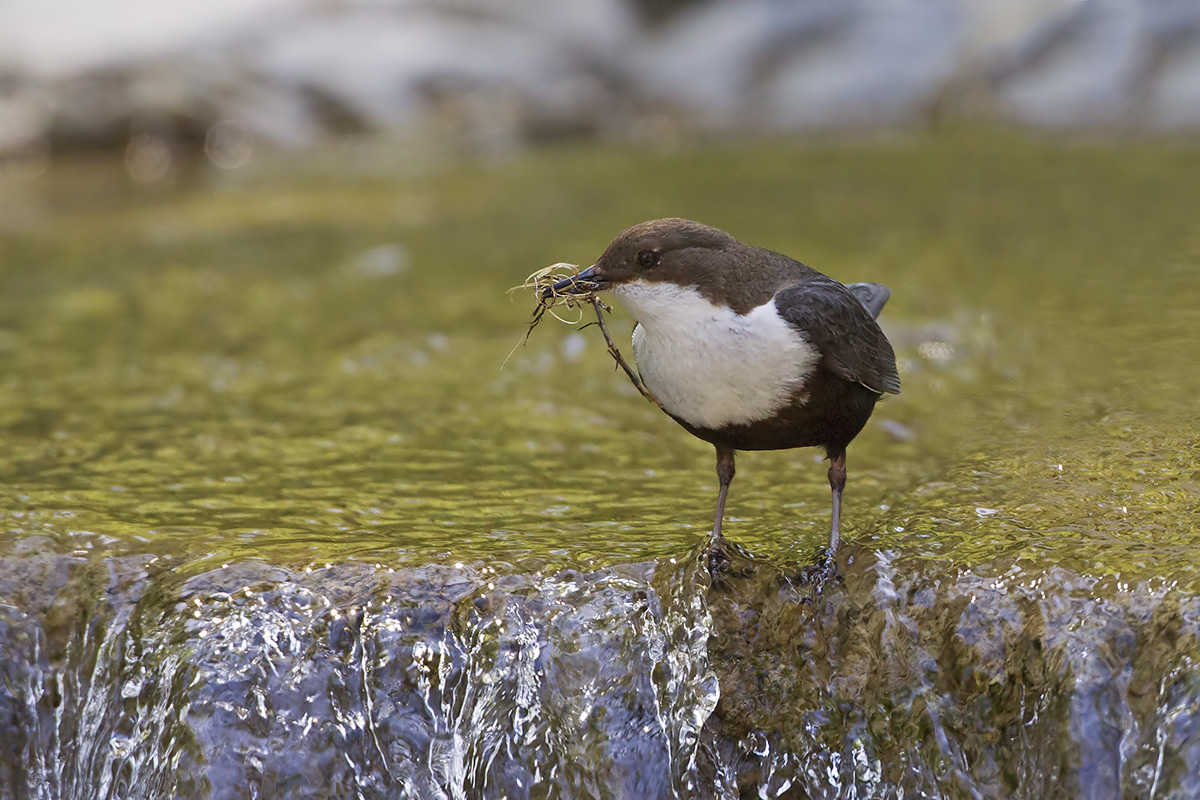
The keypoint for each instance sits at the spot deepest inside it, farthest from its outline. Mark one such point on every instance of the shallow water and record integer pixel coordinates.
(276, 523)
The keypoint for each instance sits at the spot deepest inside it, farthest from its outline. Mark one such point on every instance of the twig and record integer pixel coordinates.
(542, 282)
(616, 354)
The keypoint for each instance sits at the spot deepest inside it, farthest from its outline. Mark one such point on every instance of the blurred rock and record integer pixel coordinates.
(772, 66)
(1110, 63)
(887, 63)
(479, 76)
(290, 73)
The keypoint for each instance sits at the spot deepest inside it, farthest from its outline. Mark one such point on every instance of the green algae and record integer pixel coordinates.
(304, 366)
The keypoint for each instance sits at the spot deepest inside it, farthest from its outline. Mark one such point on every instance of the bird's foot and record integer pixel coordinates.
(820, 573)
(727, 560)
(718, 556)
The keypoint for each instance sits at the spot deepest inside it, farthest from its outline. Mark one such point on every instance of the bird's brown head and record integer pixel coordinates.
(659, 251)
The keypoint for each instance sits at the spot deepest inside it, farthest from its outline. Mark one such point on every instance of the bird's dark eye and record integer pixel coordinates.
(647, 258)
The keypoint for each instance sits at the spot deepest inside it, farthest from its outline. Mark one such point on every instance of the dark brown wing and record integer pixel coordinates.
(849, 340)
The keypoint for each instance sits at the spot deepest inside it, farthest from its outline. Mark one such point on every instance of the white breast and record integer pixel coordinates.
(708, 365)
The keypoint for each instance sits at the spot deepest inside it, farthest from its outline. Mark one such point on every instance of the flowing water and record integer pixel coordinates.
(275, 523)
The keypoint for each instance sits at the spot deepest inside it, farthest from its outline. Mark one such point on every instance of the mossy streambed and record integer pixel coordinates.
(275, 524)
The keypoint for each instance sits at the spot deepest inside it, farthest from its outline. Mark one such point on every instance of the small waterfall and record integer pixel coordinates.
(123, 679)
(365, 681)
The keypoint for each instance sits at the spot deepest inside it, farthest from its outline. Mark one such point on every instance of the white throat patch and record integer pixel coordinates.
(709, 365)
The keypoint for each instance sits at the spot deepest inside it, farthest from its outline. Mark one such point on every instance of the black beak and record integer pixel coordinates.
(586, 281)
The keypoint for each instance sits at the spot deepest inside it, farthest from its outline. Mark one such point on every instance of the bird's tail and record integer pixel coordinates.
(873, 296)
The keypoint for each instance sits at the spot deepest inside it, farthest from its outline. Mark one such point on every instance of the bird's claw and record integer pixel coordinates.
(824, 571)
(718, 556)
(727, 560)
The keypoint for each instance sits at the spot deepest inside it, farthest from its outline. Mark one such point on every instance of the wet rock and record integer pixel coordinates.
(901, 680)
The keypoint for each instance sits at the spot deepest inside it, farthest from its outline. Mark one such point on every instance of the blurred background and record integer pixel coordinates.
(158, 84)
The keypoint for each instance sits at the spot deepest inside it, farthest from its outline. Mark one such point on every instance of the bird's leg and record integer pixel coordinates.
(725, 476)
(837, 482)
(825, 569)
(718, 559)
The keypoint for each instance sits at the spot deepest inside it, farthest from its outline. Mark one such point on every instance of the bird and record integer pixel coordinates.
(746, 348)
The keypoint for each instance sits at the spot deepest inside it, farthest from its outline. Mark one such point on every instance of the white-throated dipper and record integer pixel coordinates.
(746, 348)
